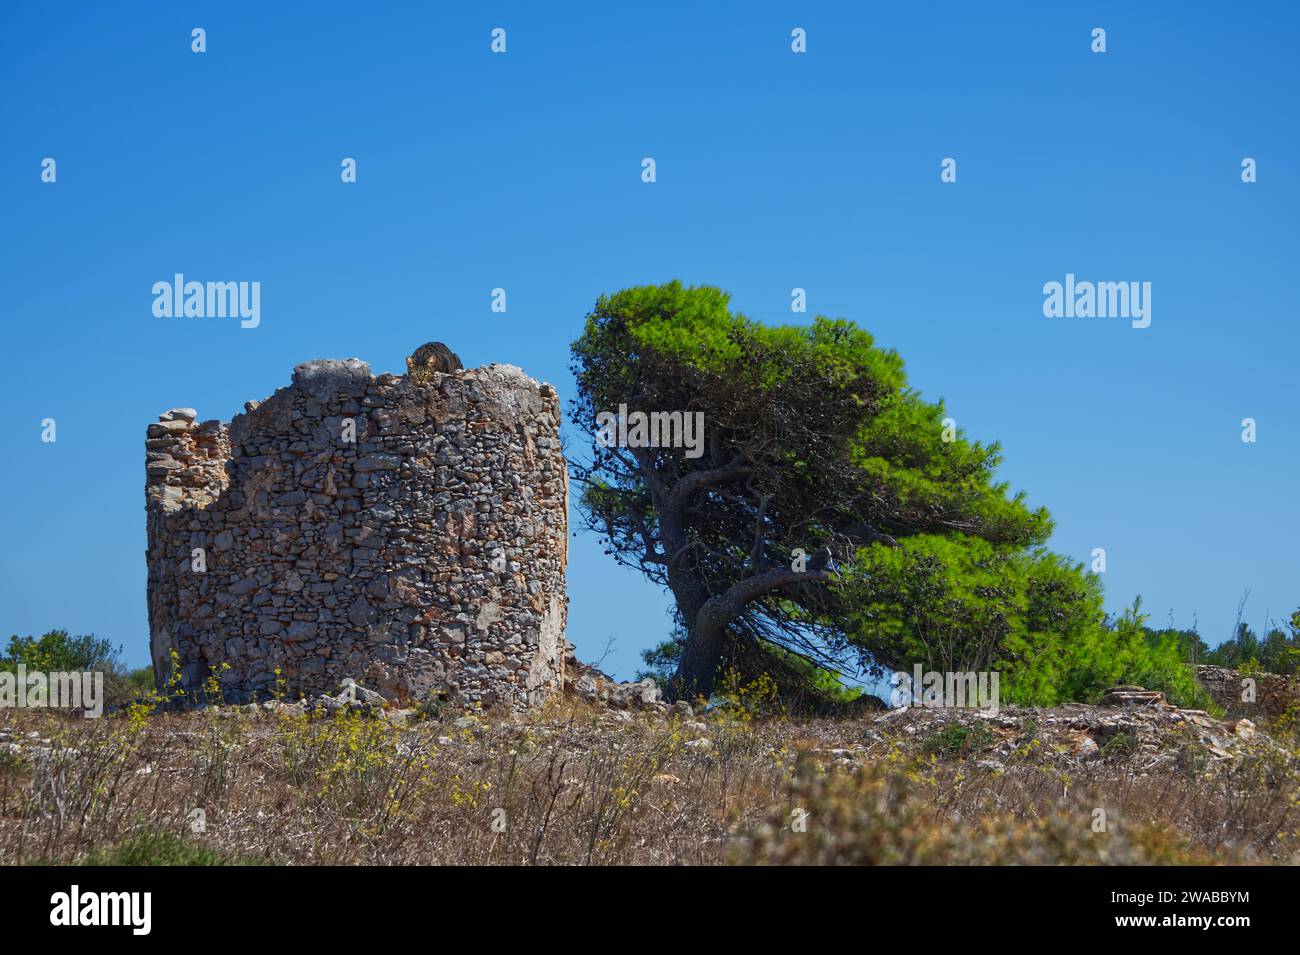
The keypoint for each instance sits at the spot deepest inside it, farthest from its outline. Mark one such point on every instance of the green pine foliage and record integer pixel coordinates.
(1277, 652)
(956, 604)
(816, 442)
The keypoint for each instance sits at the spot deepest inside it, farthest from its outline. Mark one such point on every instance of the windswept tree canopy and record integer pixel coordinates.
(813, 445)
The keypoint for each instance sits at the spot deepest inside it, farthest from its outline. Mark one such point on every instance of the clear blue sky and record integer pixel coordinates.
(775, 170)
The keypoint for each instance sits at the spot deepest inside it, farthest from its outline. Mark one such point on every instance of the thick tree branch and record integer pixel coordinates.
(746, 591)
(695, 480)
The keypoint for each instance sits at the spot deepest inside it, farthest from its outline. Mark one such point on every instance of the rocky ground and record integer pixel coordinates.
(611, 775)
(1131, 722)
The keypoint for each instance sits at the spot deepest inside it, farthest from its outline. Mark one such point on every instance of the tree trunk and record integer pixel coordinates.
(706, 627)
(700, 658)
(699, 663)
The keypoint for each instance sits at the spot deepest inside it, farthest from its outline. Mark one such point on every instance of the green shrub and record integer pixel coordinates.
(958, 738)
(1277, 652)
(59, 652)
(161, 849)
(957, 605)
(1120, 747)
(140, 681)
(1125, 651)
(153, 849)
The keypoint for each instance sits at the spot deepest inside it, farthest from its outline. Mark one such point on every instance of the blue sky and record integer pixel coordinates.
(775, 170)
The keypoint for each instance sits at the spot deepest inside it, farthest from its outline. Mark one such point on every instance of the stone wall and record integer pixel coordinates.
(409, 535)
(1274, 694)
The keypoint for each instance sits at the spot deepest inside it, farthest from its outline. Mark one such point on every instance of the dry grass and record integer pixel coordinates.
(573, 785)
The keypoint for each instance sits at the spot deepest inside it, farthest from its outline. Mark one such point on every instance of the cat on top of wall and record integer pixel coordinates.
(430, 358)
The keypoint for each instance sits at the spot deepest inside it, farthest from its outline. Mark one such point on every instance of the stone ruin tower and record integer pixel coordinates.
(409, 532)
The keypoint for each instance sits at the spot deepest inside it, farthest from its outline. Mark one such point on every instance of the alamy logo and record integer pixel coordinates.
(65, 691)
(947, 690)
(656, 429)
(103, 908)
(182, 299)
(1098, 300)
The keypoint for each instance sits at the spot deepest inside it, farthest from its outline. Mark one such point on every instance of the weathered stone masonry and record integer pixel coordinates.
(424, 559)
